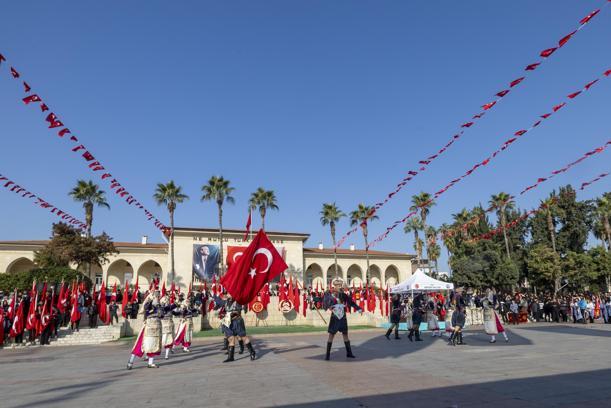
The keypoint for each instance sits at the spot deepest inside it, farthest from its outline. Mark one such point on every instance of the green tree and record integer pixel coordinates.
(544, 266)
(361, 216)
(170, 195)
(502, 202)
(330, 215)
(601, 266)
(414, 225)
(219, 191)
(67, 246)
(263, 200)
(603, 214)
(576, 219)
(577, 268)
(89, 193)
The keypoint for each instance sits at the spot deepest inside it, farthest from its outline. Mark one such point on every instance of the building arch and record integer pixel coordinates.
(19, 265)
(354, 275)
(375, 275)
(313, 276)
(331, 274)
(148, 271)
(391, 275)
(119, 272)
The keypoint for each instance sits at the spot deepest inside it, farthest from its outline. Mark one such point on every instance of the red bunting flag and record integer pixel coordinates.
(532, 67)
(31, 98)
(14, 73)
(589, 17)
(546, 53)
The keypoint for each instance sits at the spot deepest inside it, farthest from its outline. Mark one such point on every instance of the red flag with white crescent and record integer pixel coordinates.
(260, 264)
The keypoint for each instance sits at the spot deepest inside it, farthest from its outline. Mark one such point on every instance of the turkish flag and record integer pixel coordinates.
(233, 254)
(102, 306)
(17, 326)
(124, 300)
(259, 264)
(248, 224)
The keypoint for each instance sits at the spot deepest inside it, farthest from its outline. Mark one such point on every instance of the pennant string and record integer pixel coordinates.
(545, 55)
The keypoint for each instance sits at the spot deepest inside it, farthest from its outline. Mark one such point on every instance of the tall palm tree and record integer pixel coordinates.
(503, 202)
(460, 219)
(361, 216)
(263, 200)
(550, 205)
(414, 225)
(170, 195)
(603, 210)
(330, 215)
(219, 191)
(422, 202)
(433, 253)
(89, 193)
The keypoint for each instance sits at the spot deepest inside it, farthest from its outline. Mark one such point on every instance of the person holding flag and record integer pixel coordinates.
(337, 301)
(184, 334)
(167, 324)
(259, 264)
(149, 339)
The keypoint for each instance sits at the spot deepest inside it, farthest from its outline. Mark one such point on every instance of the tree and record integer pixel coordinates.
(89, 193)
(67, 246)
(544, 266)
(603, 213)
(219, 191)
(361, 216)
(433, 251)
(601, 265)
(577, 268)
(170, 195)
(422, 202)
(263, 200)
(576, 220)
(414, 225)
(330, 215)
(549, 206)
(502, 202)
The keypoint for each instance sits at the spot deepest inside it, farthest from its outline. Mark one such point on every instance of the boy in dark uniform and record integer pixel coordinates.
(395, 317)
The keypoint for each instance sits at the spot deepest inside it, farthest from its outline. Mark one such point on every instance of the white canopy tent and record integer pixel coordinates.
(421, 282)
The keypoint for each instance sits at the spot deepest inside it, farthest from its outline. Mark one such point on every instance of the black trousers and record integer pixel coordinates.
(45, 335)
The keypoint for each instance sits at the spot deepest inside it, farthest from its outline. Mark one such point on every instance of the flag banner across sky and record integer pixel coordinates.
(40, 202)
(424, 163)
(79, 148)
(540, 181)
(484, 163)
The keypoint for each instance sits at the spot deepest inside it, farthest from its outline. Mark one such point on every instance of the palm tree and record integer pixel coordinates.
(218, 190)
(89, 193)
(603, 210)
(502, 202)
(361, 216)
(264, 200)
(433, 252)
(414, 225)
(330, 215)
(422, 202)
(460, 219)
(170, 194)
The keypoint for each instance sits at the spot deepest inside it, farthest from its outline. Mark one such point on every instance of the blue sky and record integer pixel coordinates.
(317, 100)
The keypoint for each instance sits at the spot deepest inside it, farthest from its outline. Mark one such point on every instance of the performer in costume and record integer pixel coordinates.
(337, 301)
(184, 334)
(149, 338)
(458, 323)
(417, 315)
(167, 324)
(492, 323)
(233, 326)
(431, 316)
(395, 317)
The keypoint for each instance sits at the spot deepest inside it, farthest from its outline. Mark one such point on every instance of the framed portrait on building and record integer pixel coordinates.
(205, 261)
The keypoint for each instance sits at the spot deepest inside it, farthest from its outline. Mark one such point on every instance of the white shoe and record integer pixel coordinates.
(153, 366)
(493, 341)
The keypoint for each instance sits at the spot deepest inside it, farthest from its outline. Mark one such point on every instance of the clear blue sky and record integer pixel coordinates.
(317, 100)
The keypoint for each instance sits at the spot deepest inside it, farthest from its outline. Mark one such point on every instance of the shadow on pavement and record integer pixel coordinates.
(568, 390)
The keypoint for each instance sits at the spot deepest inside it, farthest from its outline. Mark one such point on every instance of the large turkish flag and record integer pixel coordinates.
(259, 264)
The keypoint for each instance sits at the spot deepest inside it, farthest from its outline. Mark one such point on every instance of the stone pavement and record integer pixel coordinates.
(544, 365)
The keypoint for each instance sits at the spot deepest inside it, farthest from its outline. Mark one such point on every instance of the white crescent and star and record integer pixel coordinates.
(268, 255)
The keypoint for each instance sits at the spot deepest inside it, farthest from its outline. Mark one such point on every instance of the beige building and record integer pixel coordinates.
(144, 260)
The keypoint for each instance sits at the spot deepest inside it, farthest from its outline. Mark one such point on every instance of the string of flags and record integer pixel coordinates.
(77, 147)
(516, 136)
(40, 202)
(527, 214)
(473, 221)
(424, 163)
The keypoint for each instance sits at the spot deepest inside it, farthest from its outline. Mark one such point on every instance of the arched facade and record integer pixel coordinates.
(119, 272)
(391, 275)
(148, 271)
(331, 274)
(19, 265)
(314, 276)
(375, 275)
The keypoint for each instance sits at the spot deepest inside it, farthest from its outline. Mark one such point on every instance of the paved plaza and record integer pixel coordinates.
(544, 365)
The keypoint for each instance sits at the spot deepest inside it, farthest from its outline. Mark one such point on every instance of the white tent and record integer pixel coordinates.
(420, 282)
